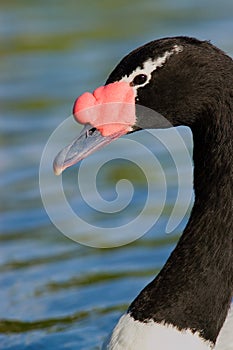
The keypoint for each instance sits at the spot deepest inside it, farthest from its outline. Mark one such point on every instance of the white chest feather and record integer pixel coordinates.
(225, 338)
(134, 335)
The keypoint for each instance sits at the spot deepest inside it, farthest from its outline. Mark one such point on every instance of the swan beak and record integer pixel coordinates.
(107, 113)
(89, 141)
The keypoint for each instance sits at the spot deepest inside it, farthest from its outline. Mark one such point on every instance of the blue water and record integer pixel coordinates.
(57, 293)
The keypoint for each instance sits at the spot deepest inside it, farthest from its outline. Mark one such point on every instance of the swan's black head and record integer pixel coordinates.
(178, 77)
(181, 78)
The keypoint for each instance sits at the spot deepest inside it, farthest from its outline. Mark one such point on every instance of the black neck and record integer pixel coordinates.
(195, 287)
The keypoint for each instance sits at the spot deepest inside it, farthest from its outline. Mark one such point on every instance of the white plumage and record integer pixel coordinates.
(134, 335)
(225, 338)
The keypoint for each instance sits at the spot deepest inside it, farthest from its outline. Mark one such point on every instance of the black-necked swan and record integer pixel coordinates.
(189, 82)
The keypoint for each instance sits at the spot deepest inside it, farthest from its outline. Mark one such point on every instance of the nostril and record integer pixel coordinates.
(90, 132)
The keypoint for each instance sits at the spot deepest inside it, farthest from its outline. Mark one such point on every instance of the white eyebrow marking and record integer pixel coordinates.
(149, 66)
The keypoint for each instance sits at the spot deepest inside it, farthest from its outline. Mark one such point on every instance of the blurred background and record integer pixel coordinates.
(54, 292)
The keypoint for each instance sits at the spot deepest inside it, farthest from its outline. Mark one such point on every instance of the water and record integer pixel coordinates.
(56, 293)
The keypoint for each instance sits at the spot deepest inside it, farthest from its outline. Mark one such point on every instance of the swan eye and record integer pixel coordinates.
(139, 79)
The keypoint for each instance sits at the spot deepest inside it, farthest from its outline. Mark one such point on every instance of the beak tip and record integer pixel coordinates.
(59, 162)
(57, 169)
(57, 172)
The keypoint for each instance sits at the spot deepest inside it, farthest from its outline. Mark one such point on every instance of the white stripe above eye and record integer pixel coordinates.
(149, 67)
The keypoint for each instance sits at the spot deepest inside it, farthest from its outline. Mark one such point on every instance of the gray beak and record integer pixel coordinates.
(89, 141)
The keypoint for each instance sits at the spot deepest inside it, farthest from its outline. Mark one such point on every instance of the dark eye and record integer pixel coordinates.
(139, 79)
